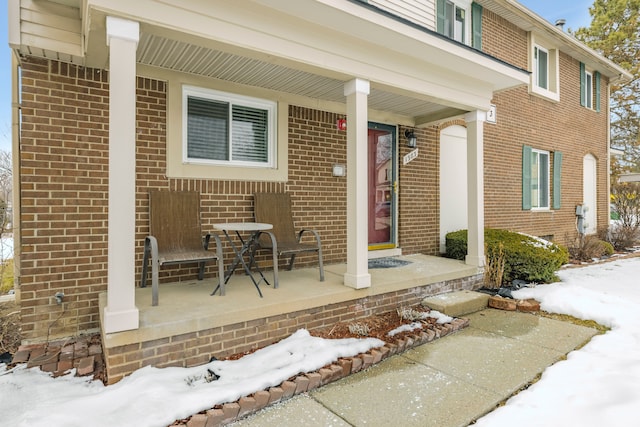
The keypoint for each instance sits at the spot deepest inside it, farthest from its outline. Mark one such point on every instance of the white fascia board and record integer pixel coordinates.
(14, 24)
(339, 42)
(412, 41)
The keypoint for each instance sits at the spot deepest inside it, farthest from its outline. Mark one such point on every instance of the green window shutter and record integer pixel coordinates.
(583, 77)
(526, 177)
(557, 178)
(476, 25)
(440, 16)
(597, 100)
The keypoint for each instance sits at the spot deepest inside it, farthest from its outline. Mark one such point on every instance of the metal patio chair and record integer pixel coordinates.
(282, 240)
(175, 236)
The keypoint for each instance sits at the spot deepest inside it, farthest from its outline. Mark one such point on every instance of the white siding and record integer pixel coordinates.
(52, 30)
(422, 12)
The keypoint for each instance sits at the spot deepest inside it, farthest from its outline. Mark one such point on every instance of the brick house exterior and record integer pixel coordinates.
(65, 158)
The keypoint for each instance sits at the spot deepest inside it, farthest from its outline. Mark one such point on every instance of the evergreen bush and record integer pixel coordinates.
(526, 257)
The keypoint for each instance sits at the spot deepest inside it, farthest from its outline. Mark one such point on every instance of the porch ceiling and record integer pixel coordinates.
(175, 55)
(308, 49)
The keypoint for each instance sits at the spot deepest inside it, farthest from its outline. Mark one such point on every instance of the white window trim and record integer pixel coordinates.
(553, 65)
(548, 201)
(247, 101)
(536, 66)
(466, 5)
(588, 89)
(176, 168)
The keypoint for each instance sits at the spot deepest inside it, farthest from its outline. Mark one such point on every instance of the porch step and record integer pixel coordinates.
(457, 303)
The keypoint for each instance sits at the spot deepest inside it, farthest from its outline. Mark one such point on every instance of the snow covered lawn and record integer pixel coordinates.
(598, 385)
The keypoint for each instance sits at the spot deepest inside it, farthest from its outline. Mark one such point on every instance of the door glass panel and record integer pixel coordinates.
(380, 186)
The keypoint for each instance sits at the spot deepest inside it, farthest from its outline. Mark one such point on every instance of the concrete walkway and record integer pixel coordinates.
(449, 382)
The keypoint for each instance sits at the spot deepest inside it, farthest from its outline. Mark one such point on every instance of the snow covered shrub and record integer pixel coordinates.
(526, 257)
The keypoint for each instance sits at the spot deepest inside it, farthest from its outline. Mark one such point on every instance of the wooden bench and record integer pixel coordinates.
(175, 237)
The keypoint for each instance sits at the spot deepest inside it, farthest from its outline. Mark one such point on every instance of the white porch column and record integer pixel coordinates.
(120, 313)
(475, 187)
(357, 275)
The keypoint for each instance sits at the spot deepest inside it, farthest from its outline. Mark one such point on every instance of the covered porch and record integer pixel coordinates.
(189, 326)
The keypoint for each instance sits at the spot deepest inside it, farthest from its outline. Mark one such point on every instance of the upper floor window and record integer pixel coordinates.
(541, 67)
(460, 20)
(454, 21)
(589, 88)
(222, 128)
(544, 66)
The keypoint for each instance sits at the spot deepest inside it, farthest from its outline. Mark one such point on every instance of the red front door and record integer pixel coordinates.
(381, 186)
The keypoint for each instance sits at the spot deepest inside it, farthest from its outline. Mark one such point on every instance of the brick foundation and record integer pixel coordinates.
(198, 347)
(232, 411)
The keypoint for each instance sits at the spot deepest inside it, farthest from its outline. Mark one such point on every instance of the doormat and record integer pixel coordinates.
(387, 262)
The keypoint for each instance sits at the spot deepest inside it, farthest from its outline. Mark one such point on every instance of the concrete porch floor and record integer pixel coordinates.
(188, 307)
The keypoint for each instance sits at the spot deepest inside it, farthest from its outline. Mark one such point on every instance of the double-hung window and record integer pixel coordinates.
(544, 65)
(226, 129)
(453, 21)
(537, 181)
(541, 67)
(589, 88)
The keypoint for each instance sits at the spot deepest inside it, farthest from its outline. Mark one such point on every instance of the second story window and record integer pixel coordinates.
(589, 88)
(541, 67)
(454, 21)
(544, 66)
(460, 20)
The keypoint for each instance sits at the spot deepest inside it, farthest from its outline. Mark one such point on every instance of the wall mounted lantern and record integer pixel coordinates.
(412, 141)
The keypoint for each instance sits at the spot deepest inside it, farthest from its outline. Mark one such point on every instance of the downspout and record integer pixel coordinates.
(13, 18)
(608, 110)
(15, 172)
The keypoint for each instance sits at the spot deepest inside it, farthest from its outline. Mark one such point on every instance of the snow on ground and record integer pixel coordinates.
(157, 397)
(597, 385)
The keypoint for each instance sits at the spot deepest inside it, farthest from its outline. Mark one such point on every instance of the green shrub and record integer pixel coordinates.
(526, 258)
(608, 248)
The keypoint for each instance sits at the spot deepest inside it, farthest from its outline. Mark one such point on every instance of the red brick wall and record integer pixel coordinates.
(63, 171)
(64, 161)
(63, 167)
(504, 40)
(525, 119)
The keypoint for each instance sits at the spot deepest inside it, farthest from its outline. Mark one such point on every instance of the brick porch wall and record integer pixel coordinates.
(198, 347)
(64, 172)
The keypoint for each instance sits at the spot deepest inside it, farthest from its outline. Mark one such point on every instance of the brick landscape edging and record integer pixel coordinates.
(226, 413)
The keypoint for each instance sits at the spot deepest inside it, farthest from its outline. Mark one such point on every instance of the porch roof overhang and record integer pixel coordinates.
(307, 48)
